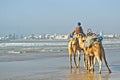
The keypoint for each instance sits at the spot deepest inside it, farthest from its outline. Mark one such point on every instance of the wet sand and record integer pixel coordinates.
(54, 66)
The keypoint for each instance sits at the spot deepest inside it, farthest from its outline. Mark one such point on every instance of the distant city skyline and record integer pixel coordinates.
(58, 16)
(48, 36)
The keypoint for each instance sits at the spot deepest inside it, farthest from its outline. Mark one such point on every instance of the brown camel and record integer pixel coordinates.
(81, 39)
(73, 47)
(96, 51)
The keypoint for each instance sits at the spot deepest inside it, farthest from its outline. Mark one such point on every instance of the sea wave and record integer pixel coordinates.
(111, 41)
(32, 44)
(47, 46)
(50, 44)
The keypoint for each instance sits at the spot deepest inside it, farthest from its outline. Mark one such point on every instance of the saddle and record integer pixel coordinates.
(91, 40)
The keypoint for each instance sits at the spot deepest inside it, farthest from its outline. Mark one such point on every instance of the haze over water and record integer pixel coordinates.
(51, 16)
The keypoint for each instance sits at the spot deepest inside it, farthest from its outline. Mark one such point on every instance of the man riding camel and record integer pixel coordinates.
(77, 30)
(73, 45)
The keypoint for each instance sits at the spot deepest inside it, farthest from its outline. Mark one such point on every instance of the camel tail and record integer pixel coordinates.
(103, 55)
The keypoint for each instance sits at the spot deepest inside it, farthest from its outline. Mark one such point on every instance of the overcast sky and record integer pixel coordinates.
(58, 16)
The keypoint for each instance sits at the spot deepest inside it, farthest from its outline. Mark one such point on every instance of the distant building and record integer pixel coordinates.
(61, 37)
(108, 36)
(50, 36)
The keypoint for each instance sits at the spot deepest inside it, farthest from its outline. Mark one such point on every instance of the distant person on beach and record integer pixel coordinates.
(77, 30)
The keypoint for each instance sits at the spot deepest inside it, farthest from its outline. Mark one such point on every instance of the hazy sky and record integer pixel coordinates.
(58, 16)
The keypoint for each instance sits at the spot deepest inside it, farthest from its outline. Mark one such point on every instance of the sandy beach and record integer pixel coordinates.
(54, 66)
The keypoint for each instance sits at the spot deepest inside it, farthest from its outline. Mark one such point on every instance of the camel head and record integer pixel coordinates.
(74, 41)
(81, 39)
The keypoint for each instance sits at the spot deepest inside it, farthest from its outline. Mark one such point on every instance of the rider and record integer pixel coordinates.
(77, 30)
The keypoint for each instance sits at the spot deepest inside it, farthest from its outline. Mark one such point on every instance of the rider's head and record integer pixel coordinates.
(79, 23)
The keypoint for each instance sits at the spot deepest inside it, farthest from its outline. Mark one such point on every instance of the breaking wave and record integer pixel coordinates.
(47, 46)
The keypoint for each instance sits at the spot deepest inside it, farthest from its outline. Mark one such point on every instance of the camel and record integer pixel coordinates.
(81, 45)
(96, 51)
(73, 47)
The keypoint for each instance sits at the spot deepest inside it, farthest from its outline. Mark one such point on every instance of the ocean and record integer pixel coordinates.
(49, 60)
(24, 46)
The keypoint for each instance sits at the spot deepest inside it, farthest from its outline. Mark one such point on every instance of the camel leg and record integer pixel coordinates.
(100, 63)
(84, 61)
(103, 55)
(75, 60)
(92, 63)
(70, 57)
(78, 59)
(89, 63)
(94, 60)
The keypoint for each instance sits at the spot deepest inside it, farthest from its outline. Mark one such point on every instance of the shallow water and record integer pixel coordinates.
(48, 60)
(54, 66)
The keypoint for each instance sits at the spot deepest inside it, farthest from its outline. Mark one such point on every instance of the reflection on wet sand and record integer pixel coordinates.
(81, 74)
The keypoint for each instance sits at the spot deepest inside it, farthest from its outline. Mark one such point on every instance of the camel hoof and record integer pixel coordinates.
(110, 71)
(71, 67)
(78, 66)
(88, 69)
(100, 72)
(93, 70)
(84, 67)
